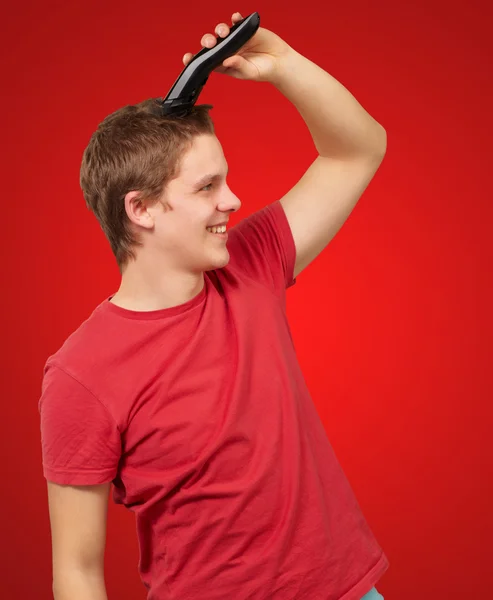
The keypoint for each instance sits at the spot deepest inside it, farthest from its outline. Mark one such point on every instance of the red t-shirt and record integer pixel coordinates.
(201, 418)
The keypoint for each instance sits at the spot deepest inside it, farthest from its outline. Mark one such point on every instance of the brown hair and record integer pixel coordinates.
(135, 148)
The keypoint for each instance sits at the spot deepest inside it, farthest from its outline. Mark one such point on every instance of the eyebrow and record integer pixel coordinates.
(206, 178)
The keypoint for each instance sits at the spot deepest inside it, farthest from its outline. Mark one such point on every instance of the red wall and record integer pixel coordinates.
(392, 322)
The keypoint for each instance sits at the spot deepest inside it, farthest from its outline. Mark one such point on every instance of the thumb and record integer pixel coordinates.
(232, 61)
(238, 67)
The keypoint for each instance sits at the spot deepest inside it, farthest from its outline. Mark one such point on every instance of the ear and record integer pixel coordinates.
(138, 211)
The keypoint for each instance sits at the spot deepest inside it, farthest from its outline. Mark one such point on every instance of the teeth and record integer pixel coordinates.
(220, 229)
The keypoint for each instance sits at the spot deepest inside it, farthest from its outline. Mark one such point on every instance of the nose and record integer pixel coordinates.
(229, 202)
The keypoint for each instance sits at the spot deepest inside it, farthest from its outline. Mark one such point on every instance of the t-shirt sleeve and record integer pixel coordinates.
(80, 441)
(262, 246)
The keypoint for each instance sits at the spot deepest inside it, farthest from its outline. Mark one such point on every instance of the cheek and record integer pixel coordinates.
(186, 224)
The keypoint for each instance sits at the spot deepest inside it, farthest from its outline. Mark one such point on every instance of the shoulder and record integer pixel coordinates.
(81, 350)
(262, 247)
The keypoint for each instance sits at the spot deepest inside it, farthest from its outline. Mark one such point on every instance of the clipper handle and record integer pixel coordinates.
(187, 87)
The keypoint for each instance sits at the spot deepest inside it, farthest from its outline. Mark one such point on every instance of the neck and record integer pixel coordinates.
(144, 288)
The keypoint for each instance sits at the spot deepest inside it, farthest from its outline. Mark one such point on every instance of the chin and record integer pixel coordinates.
(219, 261)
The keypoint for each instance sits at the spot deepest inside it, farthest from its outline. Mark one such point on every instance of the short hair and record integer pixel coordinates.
(135, 148)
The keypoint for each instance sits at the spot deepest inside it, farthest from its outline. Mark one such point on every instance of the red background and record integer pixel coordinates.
(392, 322)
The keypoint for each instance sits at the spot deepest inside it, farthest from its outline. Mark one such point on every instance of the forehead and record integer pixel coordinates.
(205, 157)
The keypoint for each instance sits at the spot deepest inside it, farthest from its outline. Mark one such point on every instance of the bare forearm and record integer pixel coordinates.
(339, 125)
(77, 584)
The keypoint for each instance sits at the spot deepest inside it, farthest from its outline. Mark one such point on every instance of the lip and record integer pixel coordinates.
(218, 224)
(223, 236)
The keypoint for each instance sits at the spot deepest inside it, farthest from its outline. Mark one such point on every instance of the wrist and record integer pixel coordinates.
(285, 66)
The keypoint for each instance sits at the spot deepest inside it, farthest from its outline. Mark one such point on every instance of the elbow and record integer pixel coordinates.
(71, 583)
(372, 151)
(383, 141)
(379, 147)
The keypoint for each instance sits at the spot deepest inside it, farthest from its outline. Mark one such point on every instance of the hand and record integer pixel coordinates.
(257, 60)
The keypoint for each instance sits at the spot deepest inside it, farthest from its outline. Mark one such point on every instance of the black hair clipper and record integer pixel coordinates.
(186, 89)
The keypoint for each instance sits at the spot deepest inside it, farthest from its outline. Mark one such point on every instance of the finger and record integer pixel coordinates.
(236, 17)
(187, 58)
(222, 30)
(208, 40)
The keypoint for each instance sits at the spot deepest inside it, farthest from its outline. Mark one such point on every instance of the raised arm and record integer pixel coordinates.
(351, 146)
(350, 143)
(78, 517)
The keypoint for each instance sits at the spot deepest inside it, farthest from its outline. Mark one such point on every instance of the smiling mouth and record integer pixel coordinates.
(218, 229)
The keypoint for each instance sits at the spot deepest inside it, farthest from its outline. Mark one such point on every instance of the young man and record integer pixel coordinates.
(182, 390)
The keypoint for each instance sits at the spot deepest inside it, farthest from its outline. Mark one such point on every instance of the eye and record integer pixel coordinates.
(209, 185)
